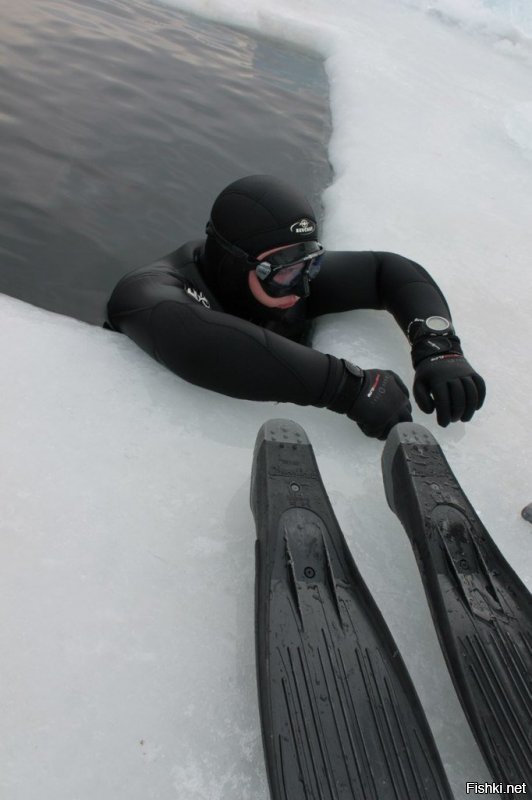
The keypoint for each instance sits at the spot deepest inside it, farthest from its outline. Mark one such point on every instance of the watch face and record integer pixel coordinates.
(438, 324)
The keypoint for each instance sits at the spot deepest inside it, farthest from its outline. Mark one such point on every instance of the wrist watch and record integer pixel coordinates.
(431, 326)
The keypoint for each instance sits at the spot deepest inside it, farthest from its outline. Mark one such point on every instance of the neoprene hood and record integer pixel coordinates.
(253, 214)
(260, 212)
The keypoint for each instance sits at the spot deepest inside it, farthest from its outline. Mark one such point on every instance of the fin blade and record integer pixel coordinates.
(481, 610)
(340, 716)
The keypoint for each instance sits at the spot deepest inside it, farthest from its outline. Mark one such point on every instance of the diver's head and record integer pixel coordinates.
(262, 234)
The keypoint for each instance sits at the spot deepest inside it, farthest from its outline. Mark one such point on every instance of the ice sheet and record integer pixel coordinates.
(127, 541)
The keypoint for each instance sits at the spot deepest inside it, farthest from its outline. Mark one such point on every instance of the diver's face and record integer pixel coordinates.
(256, 289)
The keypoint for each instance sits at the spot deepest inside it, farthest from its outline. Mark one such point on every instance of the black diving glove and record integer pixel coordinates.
(446, 381)
(376, 399)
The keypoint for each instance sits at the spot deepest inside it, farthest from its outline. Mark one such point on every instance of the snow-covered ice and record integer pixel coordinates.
(127, 544)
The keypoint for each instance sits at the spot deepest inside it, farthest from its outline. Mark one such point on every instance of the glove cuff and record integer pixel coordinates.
(435, 346)
(347, 389)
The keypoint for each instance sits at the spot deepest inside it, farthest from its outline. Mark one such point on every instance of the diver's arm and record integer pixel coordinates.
(226, 354)
(178, 325)
(387, 281)
(444, 380)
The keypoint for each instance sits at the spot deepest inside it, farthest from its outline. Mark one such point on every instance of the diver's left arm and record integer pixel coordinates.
(444, 380)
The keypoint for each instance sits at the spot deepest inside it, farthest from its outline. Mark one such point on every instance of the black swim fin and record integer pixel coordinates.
(481, 610)
(526, 513)
(340, 717)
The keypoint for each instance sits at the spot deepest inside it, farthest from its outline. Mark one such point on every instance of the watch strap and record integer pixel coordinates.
(435, 346)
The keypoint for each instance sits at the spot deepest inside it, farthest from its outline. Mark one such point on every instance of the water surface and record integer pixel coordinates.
(120, 123)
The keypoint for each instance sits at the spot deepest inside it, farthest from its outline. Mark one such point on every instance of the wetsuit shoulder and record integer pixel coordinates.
(175, 277)
(168, 278)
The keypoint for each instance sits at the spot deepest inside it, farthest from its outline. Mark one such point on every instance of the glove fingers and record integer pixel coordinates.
(381, 433)
(442, 402)
(458, 400)
(472, 399)
(423, 398)
(405, 415)
(481, 388)
(402, 385)
(459, 405)
(452, 387)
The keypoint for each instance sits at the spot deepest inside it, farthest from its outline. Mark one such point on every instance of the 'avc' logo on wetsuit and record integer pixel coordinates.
(199, 297)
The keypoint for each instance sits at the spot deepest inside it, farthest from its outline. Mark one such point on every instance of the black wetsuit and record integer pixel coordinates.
(171, 311)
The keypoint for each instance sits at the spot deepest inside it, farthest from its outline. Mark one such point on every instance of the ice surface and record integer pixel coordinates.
(127, 546)
(502, 22)
(518, 123)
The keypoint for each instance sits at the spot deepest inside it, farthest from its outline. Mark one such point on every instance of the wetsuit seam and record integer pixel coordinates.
(409, 283)
(121, 314)
(419, 270)
(378, 277)
(263, 335)
(381, 266)
(264, 343)
(141, 276)
(289, 368)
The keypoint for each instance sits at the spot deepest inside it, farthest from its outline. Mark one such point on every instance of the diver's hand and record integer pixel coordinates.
(376, 399)
(450, 385)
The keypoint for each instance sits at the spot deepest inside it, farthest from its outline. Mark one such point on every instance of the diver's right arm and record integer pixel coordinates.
(226, 354)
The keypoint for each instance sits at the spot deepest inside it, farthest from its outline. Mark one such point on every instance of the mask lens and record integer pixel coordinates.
(288, 275)
(291, 276)
(295, 253)
(314, 267)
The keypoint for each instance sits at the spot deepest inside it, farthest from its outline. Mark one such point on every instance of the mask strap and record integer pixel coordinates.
(235, 251)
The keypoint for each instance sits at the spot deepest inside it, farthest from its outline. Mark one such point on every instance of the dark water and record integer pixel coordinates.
(120, 122)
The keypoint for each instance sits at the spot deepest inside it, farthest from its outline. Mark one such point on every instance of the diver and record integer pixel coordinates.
(233, 313)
